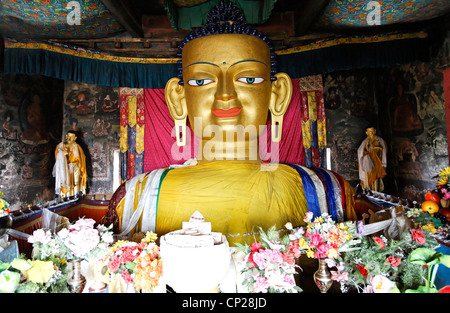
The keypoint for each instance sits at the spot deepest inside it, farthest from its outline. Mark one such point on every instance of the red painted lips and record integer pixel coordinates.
(227, 113)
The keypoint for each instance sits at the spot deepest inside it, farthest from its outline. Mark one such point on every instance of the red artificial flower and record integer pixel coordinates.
(114, 265)
(362, 270)
(393, 261)
(288, 258)
(379, 242)
(126, 276)
(418, 236)
(255, 246)
(445, 289)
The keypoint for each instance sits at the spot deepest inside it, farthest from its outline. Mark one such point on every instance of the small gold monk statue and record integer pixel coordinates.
(70, 167)
(372, 161)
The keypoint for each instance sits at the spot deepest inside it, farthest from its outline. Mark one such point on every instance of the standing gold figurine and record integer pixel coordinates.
(70, 167)
(372, 161)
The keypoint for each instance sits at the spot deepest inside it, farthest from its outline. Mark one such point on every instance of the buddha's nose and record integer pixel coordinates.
(225, 92)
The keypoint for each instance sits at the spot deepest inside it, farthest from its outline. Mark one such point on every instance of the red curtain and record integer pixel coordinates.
(161, 149)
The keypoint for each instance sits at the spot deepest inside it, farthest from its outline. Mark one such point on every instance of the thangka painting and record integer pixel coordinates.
(30, 119)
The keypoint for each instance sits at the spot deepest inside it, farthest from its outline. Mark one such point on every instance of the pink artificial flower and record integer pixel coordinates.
(84, 240)
(381, 284)
(289, 279)
(322, 250)
(259, 260)
(82, 223)
(446, 194)
(417, 235)
(394, 261)
(379, 242)
(338, 276)
(316, 238)
(308, 216)
(41, 236)
(261, 284)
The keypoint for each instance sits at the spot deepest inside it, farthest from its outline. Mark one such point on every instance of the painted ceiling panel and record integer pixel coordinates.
(50, 18)
(355, 13)
(56, 19)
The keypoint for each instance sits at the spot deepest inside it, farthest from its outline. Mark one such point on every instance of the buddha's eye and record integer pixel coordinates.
(251, 80)
(199, 82)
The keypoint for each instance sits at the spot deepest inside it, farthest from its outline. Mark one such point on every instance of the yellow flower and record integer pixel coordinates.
(40, 271)
(319, 219)
(445, 171)
(150, 237)
(117, 244)
(310, 254)
(302, 243)
(442, 181)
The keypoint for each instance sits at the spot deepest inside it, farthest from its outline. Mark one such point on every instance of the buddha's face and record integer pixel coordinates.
(227, 95)
(227, 81)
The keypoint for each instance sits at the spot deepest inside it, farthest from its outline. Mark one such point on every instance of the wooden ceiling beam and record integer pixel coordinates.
(125, 17)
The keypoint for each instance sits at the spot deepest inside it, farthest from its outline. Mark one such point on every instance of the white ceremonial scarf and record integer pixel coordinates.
(146, 204)
(61, 171)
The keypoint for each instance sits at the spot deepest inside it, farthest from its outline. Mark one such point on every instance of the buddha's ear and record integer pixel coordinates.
(281, 94)
(175, 99)
(279, 102)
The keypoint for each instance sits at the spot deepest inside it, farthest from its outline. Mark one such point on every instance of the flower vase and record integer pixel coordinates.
(322, 277)
(75, 280)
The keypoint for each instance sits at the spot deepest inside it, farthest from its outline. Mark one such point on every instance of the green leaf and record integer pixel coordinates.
(425, 256)
(445, 260)
(130, 265)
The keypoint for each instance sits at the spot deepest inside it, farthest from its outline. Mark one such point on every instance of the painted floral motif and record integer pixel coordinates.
(19, 17)
(354, 12)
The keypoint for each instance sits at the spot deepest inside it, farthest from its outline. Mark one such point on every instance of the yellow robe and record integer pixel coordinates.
(237, 197)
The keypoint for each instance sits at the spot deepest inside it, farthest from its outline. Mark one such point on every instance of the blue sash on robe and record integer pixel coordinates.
(330, 193)
(310, 190)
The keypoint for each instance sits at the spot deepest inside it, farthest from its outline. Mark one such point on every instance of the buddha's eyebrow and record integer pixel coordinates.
(248, 60)
(201, 62)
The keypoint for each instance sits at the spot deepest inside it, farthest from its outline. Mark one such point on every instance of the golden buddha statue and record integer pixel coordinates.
(226, 87)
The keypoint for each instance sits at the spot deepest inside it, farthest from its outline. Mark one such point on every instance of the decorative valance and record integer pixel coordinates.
(99, 68)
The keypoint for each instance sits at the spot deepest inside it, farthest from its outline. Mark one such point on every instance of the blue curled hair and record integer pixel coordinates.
(226, 18)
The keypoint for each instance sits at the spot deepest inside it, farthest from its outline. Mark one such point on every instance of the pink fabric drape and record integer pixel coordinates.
(161, 149)
(291, 144)
(160, 146)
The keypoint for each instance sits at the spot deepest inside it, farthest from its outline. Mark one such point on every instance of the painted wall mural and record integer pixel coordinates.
(413, 97)
(93, 112)
(350, 109)
(406, 105)
(31, 121)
